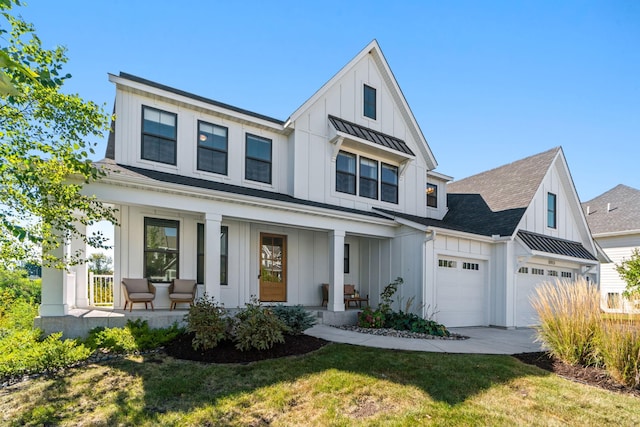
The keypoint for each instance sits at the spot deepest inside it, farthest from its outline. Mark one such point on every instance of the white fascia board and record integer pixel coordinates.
(574, 260)
(128, 192)
(173, 98)
(462, 234)
(441, 176)
(616, 233)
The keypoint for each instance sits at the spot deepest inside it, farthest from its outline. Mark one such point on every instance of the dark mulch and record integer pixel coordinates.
(226, 352)
(589, 375)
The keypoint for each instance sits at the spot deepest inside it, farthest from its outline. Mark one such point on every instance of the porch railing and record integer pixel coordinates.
(100, 290)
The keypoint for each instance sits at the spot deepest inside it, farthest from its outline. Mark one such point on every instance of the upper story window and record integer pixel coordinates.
(551, 210)
(159, 135)
(389, 185)
(212, 148)
(368, 178)
(258, 159)
(432, 195)
(161, 249)
(369, 102)
(346, 173)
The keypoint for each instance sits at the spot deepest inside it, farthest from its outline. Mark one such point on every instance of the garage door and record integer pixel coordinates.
(461, 292)
(528, 278)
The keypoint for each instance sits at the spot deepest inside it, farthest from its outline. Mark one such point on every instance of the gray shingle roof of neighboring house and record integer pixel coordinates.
(226, 188)
(370, 135)
(493, 202)
(623, 214)
(554, 245)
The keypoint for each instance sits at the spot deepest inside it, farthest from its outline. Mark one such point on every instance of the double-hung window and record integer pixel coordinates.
(212, 148)
(159, 135)
(369, 102)
(551, 210)
(224, 262)
(258, 159)
(161, 249)
(389, 184)
(368, 178)
(346, 173)
(432, 195)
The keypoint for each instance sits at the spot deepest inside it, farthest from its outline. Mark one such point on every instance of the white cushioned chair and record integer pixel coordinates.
(182, 291)
(138, 290)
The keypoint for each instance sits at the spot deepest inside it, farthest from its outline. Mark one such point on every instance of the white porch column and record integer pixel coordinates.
(81, 289)
(336, 270)
(212, 223)
(53, 292)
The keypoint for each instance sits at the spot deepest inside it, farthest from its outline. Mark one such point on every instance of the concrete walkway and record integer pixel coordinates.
(482, 340)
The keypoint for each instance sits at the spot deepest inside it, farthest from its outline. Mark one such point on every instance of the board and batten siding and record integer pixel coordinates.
(129, 131)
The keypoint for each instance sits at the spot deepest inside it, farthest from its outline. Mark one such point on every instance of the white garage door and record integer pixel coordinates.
(460, 292)
(528, 278)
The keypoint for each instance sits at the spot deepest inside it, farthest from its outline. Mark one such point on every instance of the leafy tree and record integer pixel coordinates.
(100, 263)
(629, 271)
(44, 150)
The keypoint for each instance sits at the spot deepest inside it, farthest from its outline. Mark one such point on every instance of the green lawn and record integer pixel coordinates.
(337, 385)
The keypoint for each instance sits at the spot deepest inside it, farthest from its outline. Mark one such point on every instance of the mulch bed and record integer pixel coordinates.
(589, 375)
(226, 352)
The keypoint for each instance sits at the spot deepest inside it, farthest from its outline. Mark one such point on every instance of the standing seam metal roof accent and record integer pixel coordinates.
(554, 245)
(370, 135)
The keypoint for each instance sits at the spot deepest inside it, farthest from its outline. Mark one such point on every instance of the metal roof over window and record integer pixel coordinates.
(553, 245)
(370, 135)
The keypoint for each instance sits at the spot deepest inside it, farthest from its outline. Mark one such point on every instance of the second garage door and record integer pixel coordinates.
(461, 292)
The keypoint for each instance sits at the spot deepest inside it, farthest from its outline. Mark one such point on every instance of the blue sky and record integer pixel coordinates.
(488, 82)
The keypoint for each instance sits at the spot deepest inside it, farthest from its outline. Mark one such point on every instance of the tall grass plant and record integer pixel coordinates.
(570, 319)
(619, 348)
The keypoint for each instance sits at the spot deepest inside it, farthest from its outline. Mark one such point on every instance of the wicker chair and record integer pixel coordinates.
(138, 290)
(182, 291)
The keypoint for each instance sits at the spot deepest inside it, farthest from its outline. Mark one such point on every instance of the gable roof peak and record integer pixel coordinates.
(614, 211)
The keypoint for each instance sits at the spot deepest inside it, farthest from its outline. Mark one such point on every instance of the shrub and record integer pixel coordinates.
(570, 319)
(24, 352)
(19, 286)
(257, 327)
(206, 319)
(135, 336)
(369, 318)
(412, 322)
(619, 348)
(387, 294)
(295, 317)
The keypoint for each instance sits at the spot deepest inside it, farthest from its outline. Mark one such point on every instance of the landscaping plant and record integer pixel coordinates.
(206, 320)
(135, 336)
(257, 327)
(570, 319)
(295, 317)
(618, 347)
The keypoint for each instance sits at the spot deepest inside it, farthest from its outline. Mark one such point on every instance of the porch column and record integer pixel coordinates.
(212, 223)
(81, 289)
(53, 292)
(336, 270)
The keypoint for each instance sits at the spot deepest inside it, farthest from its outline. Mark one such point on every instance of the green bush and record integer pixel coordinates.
(24, 352)
(257, 327)
(570, 319)
(412, 322)
(618, 347)
(369, 318)
(135, 336)
(206, 320)
(295, 317)
(19, 286)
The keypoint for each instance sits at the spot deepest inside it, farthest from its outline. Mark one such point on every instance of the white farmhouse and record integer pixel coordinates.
(343, 191)
(614, 220)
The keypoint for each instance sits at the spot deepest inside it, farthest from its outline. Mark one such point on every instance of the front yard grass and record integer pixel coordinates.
(337, 385)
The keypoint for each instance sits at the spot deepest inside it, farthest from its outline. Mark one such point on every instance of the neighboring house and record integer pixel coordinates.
(343, 191)
(614, 220)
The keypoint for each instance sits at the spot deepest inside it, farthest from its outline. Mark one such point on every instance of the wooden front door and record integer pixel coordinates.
(273, 268)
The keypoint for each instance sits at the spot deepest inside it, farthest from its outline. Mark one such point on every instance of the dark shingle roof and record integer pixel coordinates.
(624, 213)
(370, 135)
(553, 245)
(228, 188)
(493, 202)
(198, 98)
